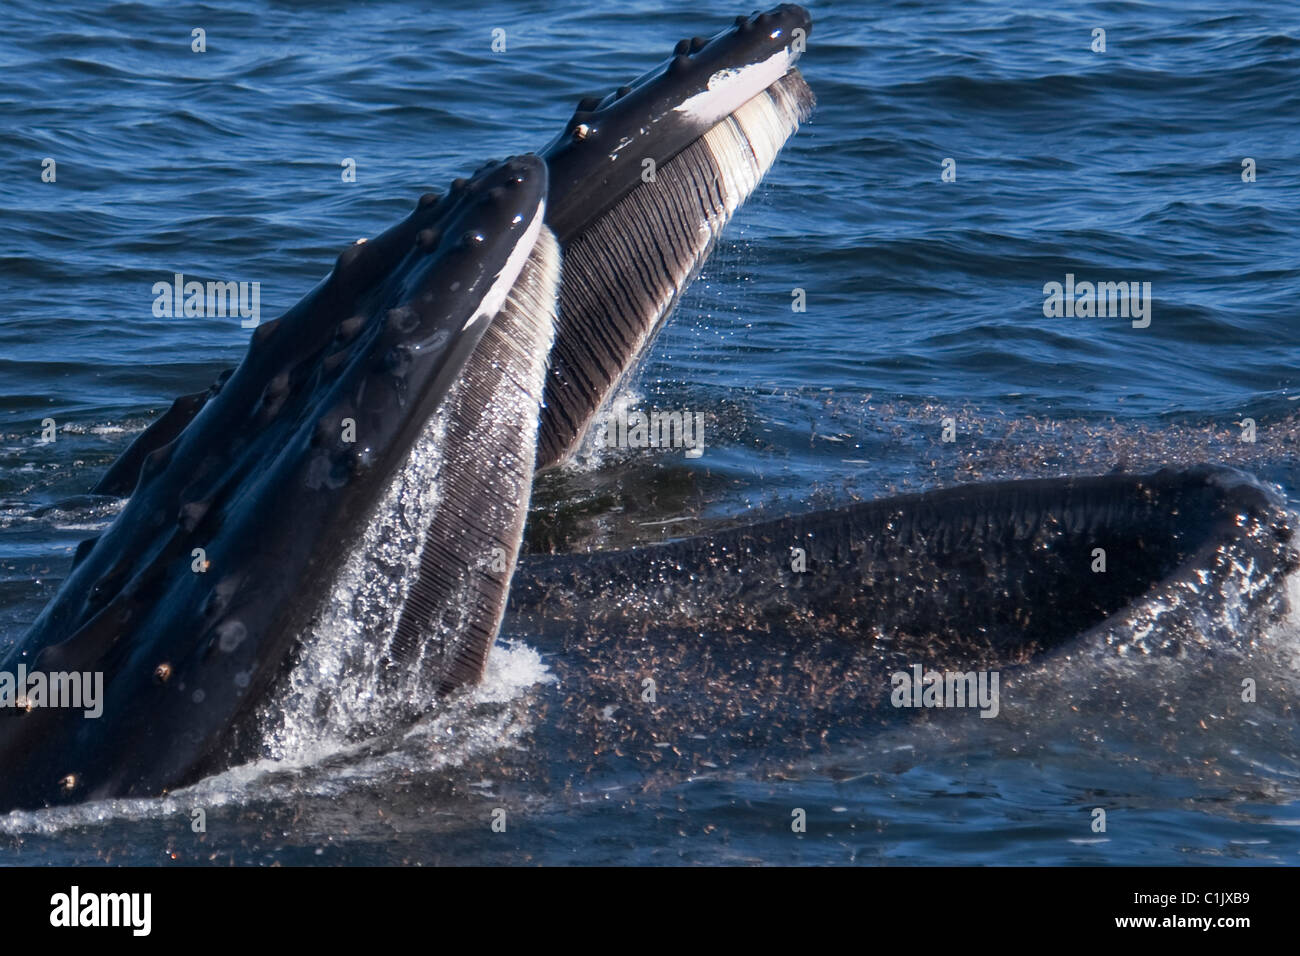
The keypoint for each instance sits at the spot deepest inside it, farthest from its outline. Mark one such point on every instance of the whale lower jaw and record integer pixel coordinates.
(626, 269)
(974, 576)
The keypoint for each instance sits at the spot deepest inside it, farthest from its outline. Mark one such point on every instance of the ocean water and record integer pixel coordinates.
(925, 301)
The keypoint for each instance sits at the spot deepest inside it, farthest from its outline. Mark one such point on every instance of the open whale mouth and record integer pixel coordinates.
(368, 468)
(985, 574)
(387, 428)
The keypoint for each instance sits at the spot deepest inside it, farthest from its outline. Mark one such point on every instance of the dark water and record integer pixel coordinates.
(924, 302)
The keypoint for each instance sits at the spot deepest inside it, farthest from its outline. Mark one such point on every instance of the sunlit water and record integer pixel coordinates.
(924, 302)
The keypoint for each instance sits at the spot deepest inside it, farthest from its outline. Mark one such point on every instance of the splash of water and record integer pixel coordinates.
(333, 689)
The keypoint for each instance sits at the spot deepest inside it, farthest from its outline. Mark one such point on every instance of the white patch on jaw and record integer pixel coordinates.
(623, 144)
(505, 280)
(729, 89)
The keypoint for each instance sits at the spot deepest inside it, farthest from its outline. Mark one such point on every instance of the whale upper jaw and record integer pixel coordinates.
(189, 603)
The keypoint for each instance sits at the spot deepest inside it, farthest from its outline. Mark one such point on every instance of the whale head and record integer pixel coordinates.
(366, 470)
(189, 603)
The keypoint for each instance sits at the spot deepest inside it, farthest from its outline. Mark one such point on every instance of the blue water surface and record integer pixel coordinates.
(925, 302)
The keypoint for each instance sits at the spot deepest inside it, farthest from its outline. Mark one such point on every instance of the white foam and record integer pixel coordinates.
(334, 686)
(512, 668)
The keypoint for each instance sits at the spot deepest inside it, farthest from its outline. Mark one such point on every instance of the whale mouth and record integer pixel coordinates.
(427, 347)
(977, 575)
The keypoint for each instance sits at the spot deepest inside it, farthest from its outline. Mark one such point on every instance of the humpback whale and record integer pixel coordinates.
(421, 361)
(987, 574)
(189, 602)
(406, 402)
